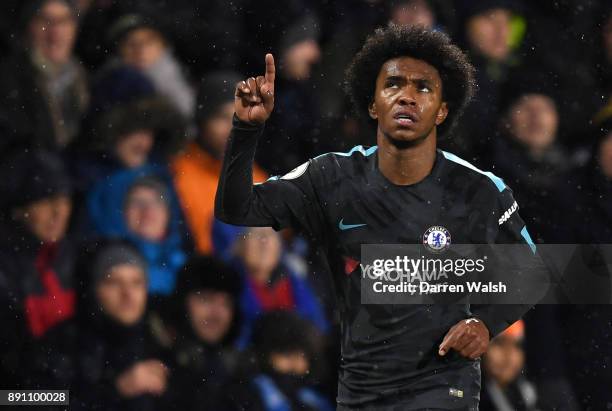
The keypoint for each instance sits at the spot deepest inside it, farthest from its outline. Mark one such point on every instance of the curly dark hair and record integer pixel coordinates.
(435, 48)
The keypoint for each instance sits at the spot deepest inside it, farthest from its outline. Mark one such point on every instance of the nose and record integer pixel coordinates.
(56, 212)
(407, 98)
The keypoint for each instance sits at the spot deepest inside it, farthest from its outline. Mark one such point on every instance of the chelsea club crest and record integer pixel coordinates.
(436, 239)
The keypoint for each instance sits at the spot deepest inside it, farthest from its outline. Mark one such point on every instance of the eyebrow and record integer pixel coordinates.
(422, 80)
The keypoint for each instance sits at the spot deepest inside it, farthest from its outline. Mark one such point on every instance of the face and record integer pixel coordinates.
(53, 31)
(210, 314)
(408, 99)
(504, 360)
(122, 294)
(133, 149)
(294, 362)
(299, 59)
(534, 121)
(605, 156)
(48, 218)
(147, 214)
(260, 251)
(216, 129)
(141, 48)
(489, 33)
(413, 13)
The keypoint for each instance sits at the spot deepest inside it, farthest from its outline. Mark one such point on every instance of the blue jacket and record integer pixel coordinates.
(105, 203)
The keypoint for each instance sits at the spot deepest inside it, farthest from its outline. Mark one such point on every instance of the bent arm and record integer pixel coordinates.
(288, 201)
(511, 229)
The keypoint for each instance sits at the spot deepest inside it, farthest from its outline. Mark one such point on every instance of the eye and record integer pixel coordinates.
(391, 84)
(424, 89)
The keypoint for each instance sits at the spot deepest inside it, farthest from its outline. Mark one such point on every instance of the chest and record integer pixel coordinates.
(363, 213)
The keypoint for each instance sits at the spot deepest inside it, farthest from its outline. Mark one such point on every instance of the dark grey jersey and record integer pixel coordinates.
(341, 201)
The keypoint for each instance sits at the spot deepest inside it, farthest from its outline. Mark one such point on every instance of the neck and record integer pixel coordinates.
(261, 277)
(405, 163)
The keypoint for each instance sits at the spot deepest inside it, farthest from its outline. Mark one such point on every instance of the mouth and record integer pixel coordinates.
(405, 118)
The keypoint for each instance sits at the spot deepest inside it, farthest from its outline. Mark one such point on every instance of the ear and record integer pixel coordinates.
(442, 113)
(372, 111)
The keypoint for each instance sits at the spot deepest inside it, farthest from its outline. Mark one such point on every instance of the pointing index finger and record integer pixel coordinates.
(448, 342)
(270, 69)
(445, 346)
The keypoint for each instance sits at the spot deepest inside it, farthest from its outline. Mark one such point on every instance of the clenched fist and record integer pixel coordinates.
(254, 97)
(144, 377)
(470, 338)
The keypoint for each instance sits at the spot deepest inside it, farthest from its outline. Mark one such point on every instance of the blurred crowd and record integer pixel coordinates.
(117, 282)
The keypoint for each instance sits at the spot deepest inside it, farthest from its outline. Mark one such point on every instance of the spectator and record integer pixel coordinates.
(44, 87)
(271, 282)
(186, 24)
(504, 386)
(142, 207)
(486, 31)
(36, 258)
(528, 157)
(128, 126)
(140, 44)
(562, 32)
(413, 13)
(208, 321)
(285, 363)
(197, 170)
(526, 153)
(108, 352)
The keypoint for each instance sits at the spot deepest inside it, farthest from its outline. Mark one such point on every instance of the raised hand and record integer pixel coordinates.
(254, 97)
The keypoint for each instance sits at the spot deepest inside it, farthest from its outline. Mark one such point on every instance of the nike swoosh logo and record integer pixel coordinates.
(343, 226)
